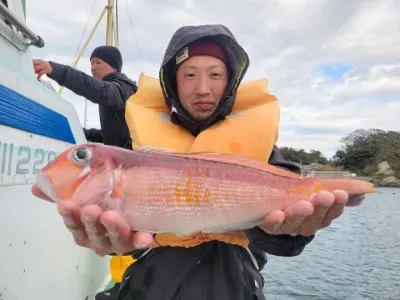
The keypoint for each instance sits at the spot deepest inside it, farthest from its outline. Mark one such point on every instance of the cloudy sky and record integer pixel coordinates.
(334, 65)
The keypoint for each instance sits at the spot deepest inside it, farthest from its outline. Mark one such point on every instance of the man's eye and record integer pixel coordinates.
(216, 75)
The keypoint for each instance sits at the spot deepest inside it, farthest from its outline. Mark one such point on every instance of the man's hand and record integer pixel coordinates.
(307, 217)
(41, 67)
(104, 232)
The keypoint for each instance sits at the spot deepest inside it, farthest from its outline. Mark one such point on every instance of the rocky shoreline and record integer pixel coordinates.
(385, 182)
(382, 183)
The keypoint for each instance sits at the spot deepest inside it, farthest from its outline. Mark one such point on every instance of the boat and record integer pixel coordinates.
(38, 256)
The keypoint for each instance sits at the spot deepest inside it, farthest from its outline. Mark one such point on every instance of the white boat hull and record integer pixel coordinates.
(38, 256)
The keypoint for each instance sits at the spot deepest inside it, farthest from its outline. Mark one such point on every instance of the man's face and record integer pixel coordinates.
(100, 68)
(201, 82)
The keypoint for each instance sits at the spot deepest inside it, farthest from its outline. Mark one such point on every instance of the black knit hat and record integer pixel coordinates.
(110, 55)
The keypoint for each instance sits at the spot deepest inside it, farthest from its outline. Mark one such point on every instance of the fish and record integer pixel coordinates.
(161, 191)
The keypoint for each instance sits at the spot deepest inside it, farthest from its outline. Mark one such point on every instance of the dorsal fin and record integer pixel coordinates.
(153, 149)
(224, 158)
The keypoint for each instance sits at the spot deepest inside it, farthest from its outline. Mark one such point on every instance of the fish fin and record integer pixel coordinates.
(224, 158)
(111, 203)
(183, 233)
(94, 188)
(118, 184)
(98, 197)
(152, 149)
(112, 197)
(233, 227)
(146, 229)
(354, 187)
(242, 161)
(355, 200)
(114, 200)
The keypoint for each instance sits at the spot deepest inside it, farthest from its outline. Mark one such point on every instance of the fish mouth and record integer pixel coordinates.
(46, 186)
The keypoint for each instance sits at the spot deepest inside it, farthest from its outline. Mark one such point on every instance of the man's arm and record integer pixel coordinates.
(97, 91)
(280, 244)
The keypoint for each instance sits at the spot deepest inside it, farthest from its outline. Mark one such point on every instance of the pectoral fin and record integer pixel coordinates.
(233, 227)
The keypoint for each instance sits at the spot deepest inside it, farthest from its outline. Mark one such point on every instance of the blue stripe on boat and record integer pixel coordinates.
(20, 112)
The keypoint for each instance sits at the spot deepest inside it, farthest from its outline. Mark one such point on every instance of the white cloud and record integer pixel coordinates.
(288, 42)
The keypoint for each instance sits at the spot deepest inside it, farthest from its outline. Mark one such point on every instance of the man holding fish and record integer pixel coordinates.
(201, 214)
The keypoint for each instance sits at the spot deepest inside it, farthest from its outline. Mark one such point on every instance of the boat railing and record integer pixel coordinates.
(12, 35)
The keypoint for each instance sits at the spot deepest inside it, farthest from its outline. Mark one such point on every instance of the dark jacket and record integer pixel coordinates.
(211, 270)
(94, 135)
(110, 93)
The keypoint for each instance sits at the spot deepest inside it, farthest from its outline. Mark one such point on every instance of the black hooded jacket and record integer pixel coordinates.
(212, 270)
(110, 93)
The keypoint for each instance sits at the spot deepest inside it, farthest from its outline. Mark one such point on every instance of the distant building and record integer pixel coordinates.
(309, 171)
(330, 174)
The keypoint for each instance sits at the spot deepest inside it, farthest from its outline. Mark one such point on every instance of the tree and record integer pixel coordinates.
(363, 150)
(300, 155)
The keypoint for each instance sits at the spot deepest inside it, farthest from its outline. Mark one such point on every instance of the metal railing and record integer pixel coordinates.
(10, 17)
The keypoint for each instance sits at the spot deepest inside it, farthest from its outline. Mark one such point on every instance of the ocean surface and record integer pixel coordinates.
(357, 257)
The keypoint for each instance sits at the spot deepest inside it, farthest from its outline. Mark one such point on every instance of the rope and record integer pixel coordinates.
(134, 35)
(83, 33)
(116, 19)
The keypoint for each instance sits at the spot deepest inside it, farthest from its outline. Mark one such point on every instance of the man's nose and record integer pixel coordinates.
(203, 87)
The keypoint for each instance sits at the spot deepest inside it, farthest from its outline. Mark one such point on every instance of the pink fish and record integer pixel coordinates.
(180, 193)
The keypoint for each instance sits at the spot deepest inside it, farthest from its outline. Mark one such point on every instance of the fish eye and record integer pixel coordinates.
(82, 155)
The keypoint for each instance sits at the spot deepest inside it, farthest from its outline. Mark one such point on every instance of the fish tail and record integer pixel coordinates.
(355, 188)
